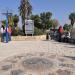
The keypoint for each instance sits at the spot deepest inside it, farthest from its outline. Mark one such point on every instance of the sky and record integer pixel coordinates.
(59, 8)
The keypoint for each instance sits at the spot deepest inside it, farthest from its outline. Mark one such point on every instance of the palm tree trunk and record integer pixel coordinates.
(23, 27)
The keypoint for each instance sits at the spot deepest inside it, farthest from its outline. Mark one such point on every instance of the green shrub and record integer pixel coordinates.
(38, 31)
(20, 32)
(15, 31)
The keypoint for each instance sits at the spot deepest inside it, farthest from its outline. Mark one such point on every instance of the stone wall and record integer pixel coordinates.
(28, 38)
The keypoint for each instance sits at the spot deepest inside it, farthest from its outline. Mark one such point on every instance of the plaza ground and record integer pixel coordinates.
(37, 58)
(18, 47)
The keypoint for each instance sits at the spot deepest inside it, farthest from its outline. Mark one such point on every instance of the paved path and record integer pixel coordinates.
(18, 47)
(30, 59)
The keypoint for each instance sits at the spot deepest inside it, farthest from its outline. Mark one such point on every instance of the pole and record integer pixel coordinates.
(7, 27)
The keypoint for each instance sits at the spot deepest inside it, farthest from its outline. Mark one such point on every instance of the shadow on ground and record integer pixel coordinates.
(73, 58)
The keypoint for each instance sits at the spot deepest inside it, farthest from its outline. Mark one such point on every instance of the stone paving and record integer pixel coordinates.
(19, 47)
(37, 64)
(37, 58)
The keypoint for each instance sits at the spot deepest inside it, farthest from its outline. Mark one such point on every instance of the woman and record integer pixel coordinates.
(9, 33)
(60, 31)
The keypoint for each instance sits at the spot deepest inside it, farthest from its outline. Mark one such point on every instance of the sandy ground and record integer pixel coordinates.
(37, 58)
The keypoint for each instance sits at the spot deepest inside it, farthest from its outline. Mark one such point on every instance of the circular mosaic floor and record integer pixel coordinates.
(37, 64)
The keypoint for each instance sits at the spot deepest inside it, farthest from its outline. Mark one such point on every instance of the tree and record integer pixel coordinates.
(4, 22)
(72, 18)
(42, 21)
(25, 11)
(54, 23)
(15, 20)
(37, 21)
(10, 21)
(45, 19)
(67, 27)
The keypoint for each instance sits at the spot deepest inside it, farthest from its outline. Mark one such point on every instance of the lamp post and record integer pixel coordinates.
(7, 14)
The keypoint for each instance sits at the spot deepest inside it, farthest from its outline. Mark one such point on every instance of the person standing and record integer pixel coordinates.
(9, 33)
(60, 31)
(2, 33)
(67, 36)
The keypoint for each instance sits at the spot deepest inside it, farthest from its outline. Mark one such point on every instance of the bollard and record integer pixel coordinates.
(47, 36)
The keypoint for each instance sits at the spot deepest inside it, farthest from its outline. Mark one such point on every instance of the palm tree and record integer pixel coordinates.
(25, 11)
(15, 20)
(72, 18)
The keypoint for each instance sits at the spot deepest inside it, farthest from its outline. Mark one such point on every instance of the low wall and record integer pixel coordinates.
(28, 38)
